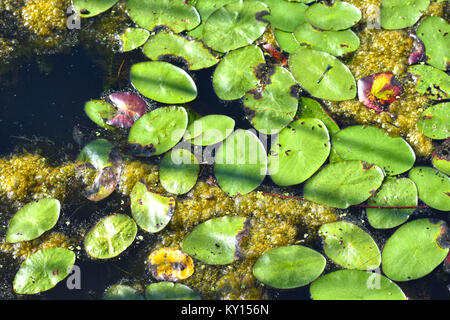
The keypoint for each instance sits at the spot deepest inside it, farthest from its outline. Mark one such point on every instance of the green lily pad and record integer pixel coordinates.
(32, 220)
(349, 246)
(232, 83)
(412, 251)
(399, 14)
(96, 153)
(209, 130)
(286, 40)
(299, 151)
(235, 25)
(355, 285)
(393, 193)
(336, 43)
(441, 157)
(163, 82)
(272, 107)
(310, 108)
(158, 131)
(100, 111)
(370, 144)
(322, 75)
(179, 171)
(151, 211)
(433, 31)
(345, 183)
(170, 291)
(177, 15)
(433, 187)
(216, 241)
(110, 236)
(339, 16)
(289, 267)
(90, 8)
(240, 163)
(431, 82)
(133, 38)
(43, 270)
(285, 15)
(193, 52)
(122, 292)
(435, 121)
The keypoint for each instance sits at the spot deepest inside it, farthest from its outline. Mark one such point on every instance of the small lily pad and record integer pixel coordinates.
(434, 122)
(339, 16)
(413, 251)
(433, 187)
(170, 291)
(431, 82)
(286, 40)
(433, 31)
(379, 90)
(209, 130)
(110, 236)
(43, 270)
(216, 241)
(399, 14)
(133, 38)
(100, 111)
(441, 157)
(285, 15)
(130, 107)
(90, 8)
(122, 292)
(167, 264)
(310, 108)
(289, 267)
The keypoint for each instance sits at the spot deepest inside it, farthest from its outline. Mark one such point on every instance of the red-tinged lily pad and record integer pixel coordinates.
(441, 157)
(418, 51)
(379, 90)
(130, 107)
(167, 264)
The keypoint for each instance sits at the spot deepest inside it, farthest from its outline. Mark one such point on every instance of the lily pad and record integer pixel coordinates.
(349, 246)
(433, 187)
(130, 107)
(310, 108)
(43, 270)
(232, 83)
(163, 82)
(235, 25)
(344, 183)
(216, 241)
(337, 43)
(435, 121)
(434, 31)
(370, 144)
(167, 264)
(151, 211)
(393, 193)
(355, 285)
(90, 8)
(209, 130)
(322, 75)
(179, 171)
(133, 38)
(286, 40)
(32, 220)
(100, 112)
(441, 157)
(289, 267)
(399, 14)
(240, 163)
(379, 90)
(413, 251)
(170, 291)
(339, 16)
(299, 151)
(177, 15)
(158, 131)
(431, 82)
(122, 292)
(285, 15)
(110, 236)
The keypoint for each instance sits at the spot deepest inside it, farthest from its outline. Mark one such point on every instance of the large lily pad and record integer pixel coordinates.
(43, 270)
(298, 151)
(310, 108)
(179, 171)
(399, 14)
(90, 8)
(216, 241)
(285, 15)
(170, 264)
(370, 144)
(339, 16)
(289, 267)
(413, 250)
(435, 121)
(122, 292)
(322, 75)
(170, 291)
(431, 82)
(433, 31)
(433, 187)
(133, 38)
(209, 130)
(344, 183)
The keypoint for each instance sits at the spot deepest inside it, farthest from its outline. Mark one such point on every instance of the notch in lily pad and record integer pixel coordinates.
(168, 264)
(379, 90)
(179, 171)
(170, 291)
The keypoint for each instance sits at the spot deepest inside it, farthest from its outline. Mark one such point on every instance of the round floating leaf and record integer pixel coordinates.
(322, 75)
(235, 25)
(435, 121)
(179, 171)
(413, 251)
(110, 236)
(90, 8)
(170, 291)
(289, 267)
(298, 151)
(310, 108)
(240, 163)
(431, 82)
(130, 107)
(349, 246)
(177, 15)
(100, 111)
(133, 38)
(96, 153)
(209, 130)
(163, 82)
(170, 265)
(32, 220)
(339, 16)
(122, 292)
(379, 90)
(441, 157)
(393, 193)
(433, 187)
(355, 285)
(232, 83)
(216, 241)
(433, 31)
(151, 211)
(158, 131)
(336, 43)
(285, 15)
(370, 144)
(286, 40)
(345, 183)
(43, 270)
(399, 14)
(193, 52)
(272, 107)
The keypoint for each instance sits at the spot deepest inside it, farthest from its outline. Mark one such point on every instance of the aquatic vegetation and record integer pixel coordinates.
(282, 21)
(433, 31)
(122, 292)
(441, 157)
(210, 129)
(433, 187)
(167, 264)
(170, 291)
(286, 40)
(133, 38)
(379, 90)
(179, 170)
(130, 107)
(99, 111)
(90, 8)
(339, 16)
(435, 121)
(399, 14)
(431, 82)
(310, 108)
